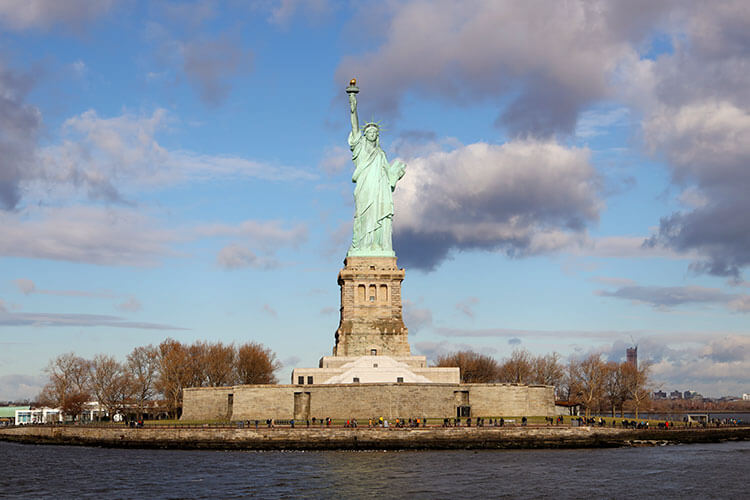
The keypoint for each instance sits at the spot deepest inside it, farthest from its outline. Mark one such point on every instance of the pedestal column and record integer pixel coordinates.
(371, 313)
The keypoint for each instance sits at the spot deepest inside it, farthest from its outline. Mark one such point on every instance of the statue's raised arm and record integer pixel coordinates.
(352, 91)
(376, 179)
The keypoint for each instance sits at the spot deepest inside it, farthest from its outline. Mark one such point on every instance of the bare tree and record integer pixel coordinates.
(636, 381)
(588, 379)
(518, 368)
(547, 370)
(175, 373)
(68, 386)
(475, 368)
(615, 389)
(255, 364)
(142, 369)
(219, 364)
(195, 365)
(110, 383)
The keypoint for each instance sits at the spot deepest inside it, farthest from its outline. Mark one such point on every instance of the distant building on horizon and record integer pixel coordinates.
(632, 356)
(746, 397)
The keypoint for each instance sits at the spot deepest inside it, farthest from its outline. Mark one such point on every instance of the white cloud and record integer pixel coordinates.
(696, 106)
(95, 235)
(550, 59)
(704, 141)
(106, 157)
(524, 197)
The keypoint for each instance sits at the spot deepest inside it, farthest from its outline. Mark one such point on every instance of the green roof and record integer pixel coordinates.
(10, 411)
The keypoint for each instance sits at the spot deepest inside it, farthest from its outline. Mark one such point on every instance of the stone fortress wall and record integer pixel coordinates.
(363, 401)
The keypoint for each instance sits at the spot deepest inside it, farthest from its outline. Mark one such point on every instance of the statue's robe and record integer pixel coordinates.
(376, 179)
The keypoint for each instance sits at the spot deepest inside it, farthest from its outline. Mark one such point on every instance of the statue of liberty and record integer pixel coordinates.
(376, 179)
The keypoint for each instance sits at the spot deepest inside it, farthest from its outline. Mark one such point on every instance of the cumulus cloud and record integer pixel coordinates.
(524, 197)
(549, 60)
(19, 125)
(42, 14)
(697, 116)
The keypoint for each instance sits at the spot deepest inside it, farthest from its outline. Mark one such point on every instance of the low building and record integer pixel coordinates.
(8, 414)
(43, 415)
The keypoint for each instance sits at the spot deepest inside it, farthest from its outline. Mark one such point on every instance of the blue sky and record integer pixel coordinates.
(576, 177)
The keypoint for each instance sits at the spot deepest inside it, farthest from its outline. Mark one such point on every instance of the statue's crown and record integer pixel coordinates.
(371, 124)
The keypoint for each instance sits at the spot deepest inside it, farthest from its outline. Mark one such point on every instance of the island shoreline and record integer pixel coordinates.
(314, 439)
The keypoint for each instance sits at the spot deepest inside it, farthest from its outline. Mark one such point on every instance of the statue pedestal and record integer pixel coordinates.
(371, 314)
(372, 343)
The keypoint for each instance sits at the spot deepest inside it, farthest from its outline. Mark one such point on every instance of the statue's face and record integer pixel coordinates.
(371, 133)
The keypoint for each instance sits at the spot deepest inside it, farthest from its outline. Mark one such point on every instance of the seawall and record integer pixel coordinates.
(228, 438)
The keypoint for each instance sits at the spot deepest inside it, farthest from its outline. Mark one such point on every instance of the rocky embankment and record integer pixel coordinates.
(226, 438)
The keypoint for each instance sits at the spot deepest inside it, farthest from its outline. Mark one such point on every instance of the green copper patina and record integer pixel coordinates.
(376, 179)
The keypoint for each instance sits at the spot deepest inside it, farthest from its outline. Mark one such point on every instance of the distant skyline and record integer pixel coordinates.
(577, 177)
